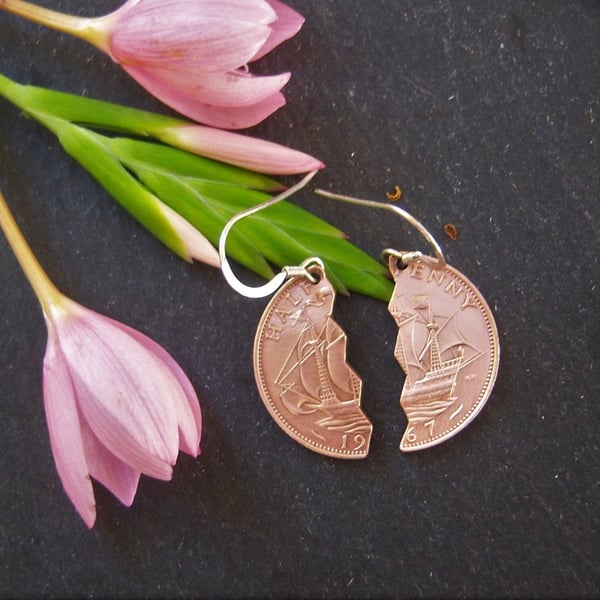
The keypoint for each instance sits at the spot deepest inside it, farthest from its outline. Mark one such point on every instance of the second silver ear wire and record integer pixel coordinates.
(405, 257)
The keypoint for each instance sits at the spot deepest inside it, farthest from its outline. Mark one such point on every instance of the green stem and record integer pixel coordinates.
(85, 111)
(99, 114)
(87, 148)
(93, 31)
(46, 292)
(91, 151)
(118, 118)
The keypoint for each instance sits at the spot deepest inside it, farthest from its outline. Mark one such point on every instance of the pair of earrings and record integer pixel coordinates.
(447, 346)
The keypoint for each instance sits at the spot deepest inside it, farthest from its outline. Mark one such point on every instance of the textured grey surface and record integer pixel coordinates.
(485, 113)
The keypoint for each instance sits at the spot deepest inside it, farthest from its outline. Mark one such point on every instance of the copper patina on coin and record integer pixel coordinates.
(448, 347)
(302, 373)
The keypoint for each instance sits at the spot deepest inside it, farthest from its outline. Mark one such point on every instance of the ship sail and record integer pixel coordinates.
(431, 350)
(412, 337)
(314, 375)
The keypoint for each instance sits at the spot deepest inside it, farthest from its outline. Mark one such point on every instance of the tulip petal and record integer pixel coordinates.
(235, 89)
(118, 477)
(232, 89)
(221, 51)
(215, 116)
(189, 38)
(239, 117)
(123, 392)
(256, 11)
(189, 416)
(64, 427)
(287, 25)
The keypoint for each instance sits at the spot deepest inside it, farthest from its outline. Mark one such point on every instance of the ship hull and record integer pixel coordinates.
(435, 386)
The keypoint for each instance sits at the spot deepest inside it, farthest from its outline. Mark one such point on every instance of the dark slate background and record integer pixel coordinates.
(486, 115)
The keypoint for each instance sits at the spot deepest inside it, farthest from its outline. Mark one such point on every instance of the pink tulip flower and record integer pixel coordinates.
(191, 54)
(117, 404)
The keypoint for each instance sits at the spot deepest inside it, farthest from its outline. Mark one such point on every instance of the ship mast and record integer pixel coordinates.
(326, 393)
(434, 352)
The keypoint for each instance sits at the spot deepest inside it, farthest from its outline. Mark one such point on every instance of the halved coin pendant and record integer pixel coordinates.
(448, 347)
(302, 372)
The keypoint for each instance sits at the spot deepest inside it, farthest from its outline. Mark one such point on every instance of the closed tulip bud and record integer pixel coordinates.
(244, 151)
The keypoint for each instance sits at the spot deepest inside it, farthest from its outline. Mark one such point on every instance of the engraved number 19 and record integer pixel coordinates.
(358, 440)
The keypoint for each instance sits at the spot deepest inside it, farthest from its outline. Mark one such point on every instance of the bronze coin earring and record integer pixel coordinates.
(447, 342)
(300, 364)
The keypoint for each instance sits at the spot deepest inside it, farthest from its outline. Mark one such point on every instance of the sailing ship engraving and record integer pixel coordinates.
(447, 347)
(303, 374)
(314, 379)
(430, 380)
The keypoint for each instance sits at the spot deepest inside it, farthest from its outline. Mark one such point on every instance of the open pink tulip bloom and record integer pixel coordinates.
(117, 405)
(193, 54)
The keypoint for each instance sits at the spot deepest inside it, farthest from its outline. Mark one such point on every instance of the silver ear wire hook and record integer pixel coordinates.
(274, 284)
(405, 257)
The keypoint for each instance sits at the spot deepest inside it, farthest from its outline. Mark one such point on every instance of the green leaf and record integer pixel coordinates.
(209, 220)
(284, 213)
(87, 148)
(166, 159)
(115, 117)
(141, 174)
(282, 234)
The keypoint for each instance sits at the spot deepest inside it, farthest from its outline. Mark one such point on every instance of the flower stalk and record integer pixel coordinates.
(45, 291)
(77, 26)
